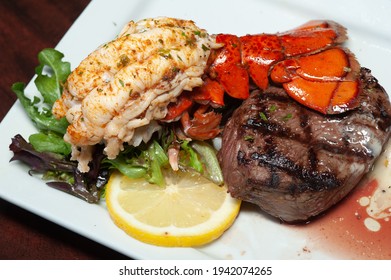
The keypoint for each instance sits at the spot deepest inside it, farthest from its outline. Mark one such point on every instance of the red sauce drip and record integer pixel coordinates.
(341, 231)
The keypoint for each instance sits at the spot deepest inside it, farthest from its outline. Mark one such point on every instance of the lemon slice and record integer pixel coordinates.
(189, 211)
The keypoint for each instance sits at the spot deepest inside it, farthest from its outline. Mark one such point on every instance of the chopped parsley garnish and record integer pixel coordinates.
(263, 116)
(175, 69)
(287, 117)
(123, 60)
(165, 53)
(272, 108)
(248, 138)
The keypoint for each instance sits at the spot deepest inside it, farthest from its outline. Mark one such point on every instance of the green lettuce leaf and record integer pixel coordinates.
(146, 161)
(50, 87)
(192, 159)
(49, 142)
(42, 120)
(208, 157)
(126, 167)
(50, 84)
(158, 160)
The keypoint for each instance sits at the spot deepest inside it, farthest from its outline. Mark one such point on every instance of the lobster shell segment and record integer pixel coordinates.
(227, 68)
(325, 81)
(254, 55)
(259, 52)
(311, 37)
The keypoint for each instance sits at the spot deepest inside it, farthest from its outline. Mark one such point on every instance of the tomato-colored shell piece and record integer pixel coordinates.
(228, 69)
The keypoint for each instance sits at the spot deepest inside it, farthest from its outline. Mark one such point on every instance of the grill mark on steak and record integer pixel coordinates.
(313, 160)
(242, 159)
(317, 180)
(295, 163)
(269, 148)
(278, 130)
(273, 128)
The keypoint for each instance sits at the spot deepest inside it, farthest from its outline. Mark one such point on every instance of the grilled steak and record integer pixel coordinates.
(295, 163)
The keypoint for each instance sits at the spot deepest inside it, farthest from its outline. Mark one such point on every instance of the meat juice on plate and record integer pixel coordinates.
(359, 227)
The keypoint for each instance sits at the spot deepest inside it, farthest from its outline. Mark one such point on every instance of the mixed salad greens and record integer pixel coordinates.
(45, 152)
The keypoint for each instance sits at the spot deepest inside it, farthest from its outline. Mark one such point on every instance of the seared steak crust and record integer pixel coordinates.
(295, 163)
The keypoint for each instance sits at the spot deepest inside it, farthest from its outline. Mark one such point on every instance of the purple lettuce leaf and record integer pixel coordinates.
(86, 186)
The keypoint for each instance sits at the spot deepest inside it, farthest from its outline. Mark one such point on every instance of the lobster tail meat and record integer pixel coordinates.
(125, 85)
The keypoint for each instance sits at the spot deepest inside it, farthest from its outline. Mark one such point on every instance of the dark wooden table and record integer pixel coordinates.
(26, 27)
